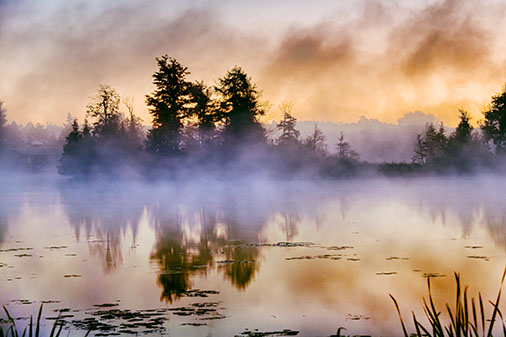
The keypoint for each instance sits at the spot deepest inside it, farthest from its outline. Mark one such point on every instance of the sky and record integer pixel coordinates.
(335, 60)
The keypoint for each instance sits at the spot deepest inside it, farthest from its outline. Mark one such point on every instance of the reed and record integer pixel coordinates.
(32, 330)
(466, 319)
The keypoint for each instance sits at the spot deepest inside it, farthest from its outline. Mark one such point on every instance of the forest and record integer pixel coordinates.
(201, 130)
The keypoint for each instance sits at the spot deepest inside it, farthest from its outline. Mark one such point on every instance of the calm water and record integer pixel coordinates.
(217, 259)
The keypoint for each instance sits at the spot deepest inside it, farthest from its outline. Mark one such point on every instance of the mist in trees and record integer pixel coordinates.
(3, 122)
(111, 142)
(216, 130)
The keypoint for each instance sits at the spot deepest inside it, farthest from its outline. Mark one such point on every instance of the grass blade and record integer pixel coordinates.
(400, 317)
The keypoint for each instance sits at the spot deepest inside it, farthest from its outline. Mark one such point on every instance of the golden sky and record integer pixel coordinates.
(335, 60)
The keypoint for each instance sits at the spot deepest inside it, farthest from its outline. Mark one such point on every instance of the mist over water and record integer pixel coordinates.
(309, 256)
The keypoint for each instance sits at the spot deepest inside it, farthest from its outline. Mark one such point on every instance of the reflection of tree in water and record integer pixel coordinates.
(187, 242)
(178, 261)
(179, 256)
(240, 265)
(3, 227)
(471, 203)
(10, 204)
(104, 216)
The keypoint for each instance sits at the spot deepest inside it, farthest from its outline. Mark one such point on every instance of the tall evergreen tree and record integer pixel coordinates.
(169, 104)
(494, 124)
(69, 161)
(240, 106)
(204, 111)
(463, 132)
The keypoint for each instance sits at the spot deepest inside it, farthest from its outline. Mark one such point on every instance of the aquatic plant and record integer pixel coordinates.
(466, 320)
(32, 330)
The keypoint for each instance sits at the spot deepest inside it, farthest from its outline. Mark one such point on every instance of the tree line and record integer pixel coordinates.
(197, 128)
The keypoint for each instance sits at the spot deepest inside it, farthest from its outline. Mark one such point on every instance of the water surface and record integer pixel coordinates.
(222, 259)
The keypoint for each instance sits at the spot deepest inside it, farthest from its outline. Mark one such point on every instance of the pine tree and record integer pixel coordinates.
(169, 104)
(240, 106)
(204, 111)
(494, 124)
(69, 161)
(463, 132)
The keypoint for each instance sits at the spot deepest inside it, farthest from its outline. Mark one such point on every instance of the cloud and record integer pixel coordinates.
(443, 36)
(387, 61)
(370, 58)
(55, 61)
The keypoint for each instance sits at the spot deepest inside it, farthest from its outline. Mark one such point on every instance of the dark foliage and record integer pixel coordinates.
(216, 130)
(494, 123)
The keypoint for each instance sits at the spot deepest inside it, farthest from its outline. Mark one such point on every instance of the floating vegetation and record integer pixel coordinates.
(387, 273)
(278, 244)
(21, 302)
(23, 255)
(339, 247)
(115, 321)
(391, 258)
(473, 247)
(234, 261)
(484, 258)
(72, 275)
(466, 319)
(432, 275)
(256, 333)
(14, 250)
(106, 305)
(56, 247)
(325, 256)
(199, 293)
(356, 317)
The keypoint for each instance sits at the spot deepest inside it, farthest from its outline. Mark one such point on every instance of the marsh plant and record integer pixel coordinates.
(9, 329)
(466, 319)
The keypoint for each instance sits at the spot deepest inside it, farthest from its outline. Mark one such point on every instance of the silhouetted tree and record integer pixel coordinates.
(169, 104)
(466, 149)
(240, 106)
(420, 156)
(432, 147)
(204, 110)
(86, 129)
(3, 123)
(463, 132)
(289, 134)
(494, 124)
(104, 108)
(316, 141)
(133, 125)
(69, 161)
(344, 150)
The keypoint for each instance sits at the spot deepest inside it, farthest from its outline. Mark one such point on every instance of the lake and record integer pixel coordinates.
(211, 258)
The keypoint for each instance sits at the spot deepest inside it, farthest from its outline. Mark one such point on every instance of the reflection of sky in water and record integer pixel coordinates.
(353, 245)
